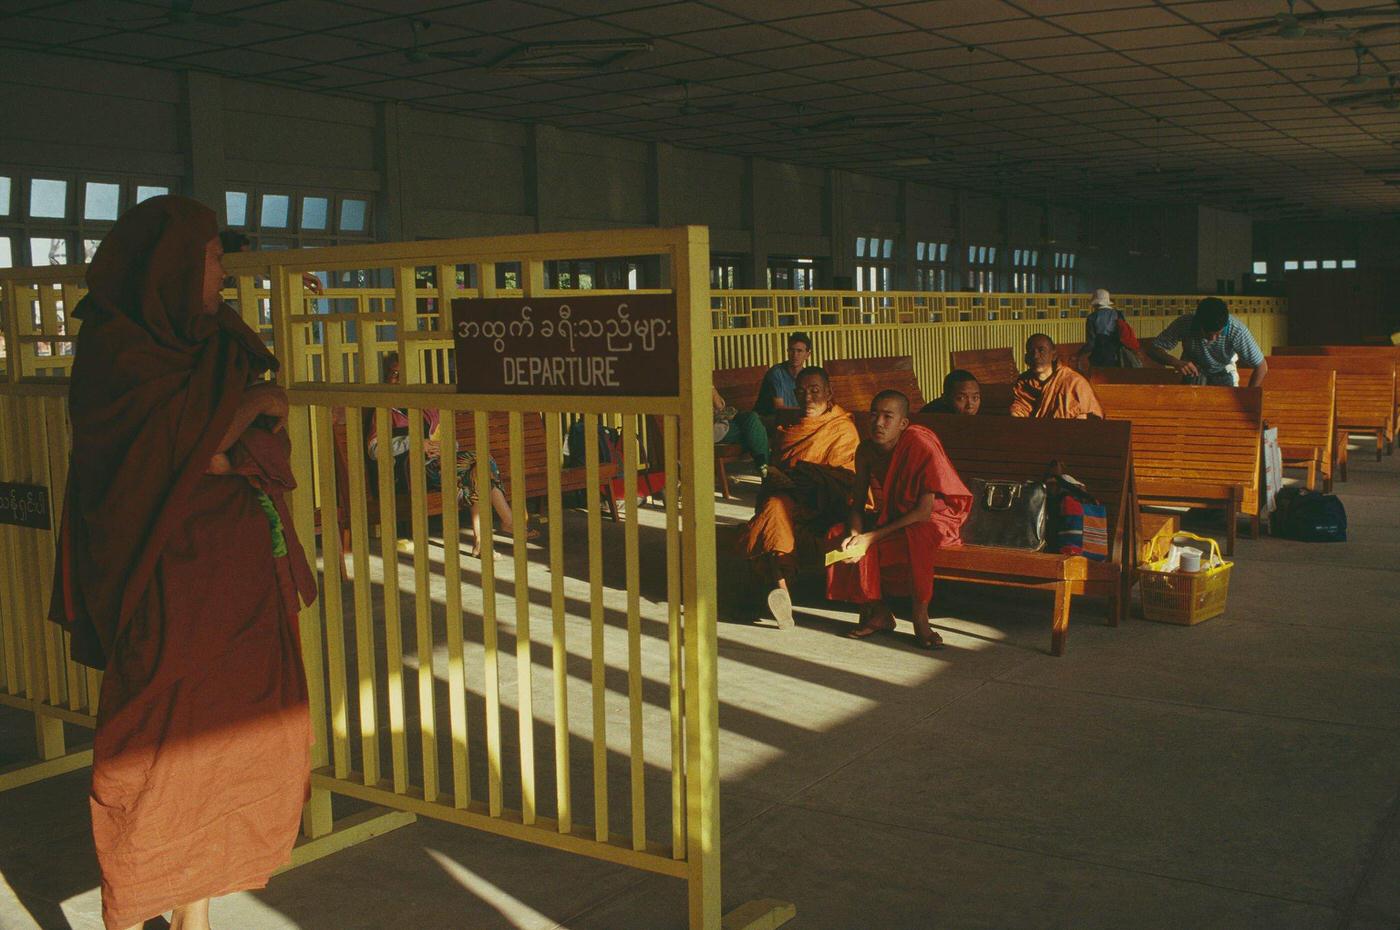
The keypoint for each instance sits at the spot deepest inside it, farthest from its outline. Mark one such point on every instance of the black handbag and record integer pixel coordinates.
(1009, 514)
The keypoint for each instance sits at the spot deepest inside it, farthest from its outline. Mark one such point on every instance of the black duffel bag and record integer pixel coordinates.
(1010, 514)
(1308, 516)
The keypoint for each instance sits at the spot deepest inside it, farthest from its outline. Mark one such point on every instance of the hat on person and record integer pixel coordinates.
(1101, 298)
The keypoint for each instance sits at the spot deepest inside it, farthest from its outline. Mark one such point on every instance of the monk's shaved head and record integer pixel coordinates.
(1040, 354)
(897, 397)
(814, 371)
(1031, 341)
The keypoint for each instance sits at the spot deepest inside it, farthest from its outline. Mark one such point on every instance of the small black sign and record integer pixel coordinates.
(25, 505)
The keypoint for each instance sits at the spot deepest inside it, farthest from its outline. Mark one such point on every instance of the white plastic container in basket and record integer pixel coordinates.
(1185, 597)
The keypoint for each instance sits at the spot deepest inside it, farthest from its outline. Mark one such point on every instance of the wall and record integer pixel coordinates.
(434, 175)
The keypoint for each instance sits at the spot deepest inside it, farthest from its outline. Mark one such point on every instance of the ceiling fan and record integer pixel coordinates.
(1345, 25)
(416, 54)
(1387, 99)
(183, 13)
(678, 94)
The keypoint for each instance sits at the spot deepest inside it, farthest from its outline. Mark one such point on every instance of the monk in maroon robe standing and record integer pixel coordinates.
(180, 577)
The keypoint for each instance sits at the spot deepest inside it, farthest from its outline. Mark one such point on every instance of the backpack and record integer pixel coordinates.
(1079, 521)
(1117, 349)
(1308, 516)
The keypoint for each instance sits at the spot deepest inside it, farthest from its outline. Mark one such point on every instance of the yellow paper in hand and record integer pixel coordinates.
(851, 554)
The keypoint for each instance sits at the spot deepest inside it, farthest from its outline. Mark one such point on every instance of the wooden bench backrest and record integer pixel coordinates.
(1367, 352)
(1134, 376)
(1185, 435)
(855, 382)
(1068, 352)
(990, 366)
(1365, 386)
(1302, 405)
(740, 386)
(996, 400)
(1097, 452)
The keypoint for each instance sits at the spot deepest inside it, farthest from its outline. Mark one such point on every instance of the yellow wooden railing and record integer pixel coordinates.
(411, 688)
(751, 327)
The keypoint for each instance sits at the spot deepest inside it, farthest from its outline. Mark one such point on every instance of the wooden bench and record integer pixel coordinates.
(1302, 405)
(739, 387)
(534, 447)
(1194, 447)
(1391, 352)
(1365, 396)
(1097, 452)
(996, 400)
(855, 382)
(1134, 376)
(989, 366)
(1068, 353)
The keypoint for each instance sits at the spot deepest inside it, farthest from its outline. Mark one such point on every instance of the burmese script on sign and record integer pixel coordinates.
(24, 505)
(620, 345)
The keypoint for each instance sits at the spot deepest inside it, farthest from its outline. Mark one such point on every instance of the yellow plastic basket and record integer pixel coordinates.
(1185, 598)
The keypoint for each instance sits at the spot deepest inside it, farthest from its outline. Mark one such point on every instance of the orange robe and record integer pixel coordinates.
(1065, 395)
(819, 454)
(902, 563)
(176, 583)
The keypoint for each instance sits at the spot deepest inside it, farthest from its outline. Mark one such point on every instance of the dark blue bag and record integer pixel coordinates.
(1308, 516)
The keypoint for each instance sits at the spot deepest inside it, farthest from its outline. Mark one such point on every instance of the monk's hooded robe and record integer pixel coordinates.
(1065, 395)
(182, 587)
(819, 455)
(901, 564)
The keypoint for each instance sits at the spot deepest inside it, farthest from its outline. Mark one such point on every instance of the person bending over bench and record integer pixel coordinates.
(743, 429)
(1211, 340)
(922, 507)
(1050, 390)
(807, 490)
(961, 395)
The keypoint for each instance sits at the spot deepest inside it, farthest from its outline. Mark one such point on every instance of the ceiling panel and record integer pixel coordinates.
(1108, 87)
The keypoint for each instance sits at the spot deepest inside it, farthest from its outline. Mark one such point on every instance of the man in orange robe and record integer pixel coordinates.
(1049, 389)
(806, 491)
(922, 507)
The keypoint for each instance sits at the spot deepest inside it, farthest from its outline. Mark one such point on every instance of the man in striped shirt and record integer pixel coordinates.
(1211, 341)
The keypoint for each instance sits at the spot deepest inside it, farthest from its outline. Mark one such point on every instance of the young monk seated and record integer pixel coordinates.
(807, 489)
(1049, 389)
(922, 505)
(961, 395)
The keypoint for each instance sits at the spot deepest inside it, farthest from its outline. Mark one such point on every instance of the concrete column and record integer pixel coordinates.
(204, 123)
(838, 224)
(756, 271)
(389, 224)
(661, 185)
(904, 254)
(541, 175)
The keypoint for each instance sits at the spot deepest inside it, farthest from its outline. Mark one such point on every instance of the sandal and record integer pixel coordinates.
(866, 630)
(933, 643)
(780, 606)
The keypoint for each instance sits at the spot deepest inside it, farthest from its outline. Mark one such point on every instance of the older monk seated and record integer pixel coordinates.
(962, 395)
(922, 505)
(806, 490)
(1049, 389)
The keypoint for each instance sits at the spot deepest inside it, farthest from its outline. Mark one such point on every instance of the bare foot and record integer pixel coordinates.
(874, 618)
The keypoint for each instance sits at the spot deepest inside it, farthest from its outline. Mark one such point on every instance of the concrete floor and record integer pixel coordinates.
(1244, 773)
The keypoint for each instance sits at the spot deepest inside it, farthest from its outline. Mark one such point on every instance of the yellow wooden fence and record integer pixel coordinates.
(439, 688)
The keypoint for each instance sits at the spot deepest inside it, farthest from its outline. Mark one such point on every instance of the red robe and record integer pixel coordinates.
(902, 563)
(168, 582)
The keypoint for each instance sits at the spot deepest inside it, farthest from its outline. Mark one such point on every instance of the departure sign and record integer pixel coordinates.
(25, 505)
(622, 345)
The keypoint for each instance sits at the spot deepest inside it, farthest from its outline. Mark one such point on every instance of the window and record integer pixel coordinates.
(282, 219)
(102, 201)
(1066, 281)
(1261, 268)
(48, 199)
(876, 272)
(981, 268)
(52, 218)
(798, 274)
(1348, 263)
(1309, 264)
(146, 192)
(931, 271)
(724, 271)
(1329, 264)
(1025, 270)
(1290, 265)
